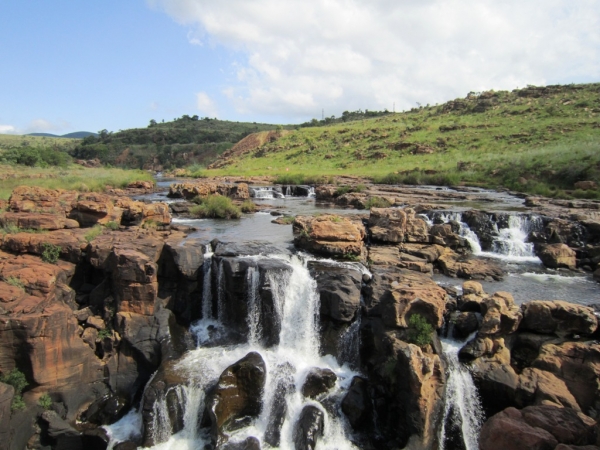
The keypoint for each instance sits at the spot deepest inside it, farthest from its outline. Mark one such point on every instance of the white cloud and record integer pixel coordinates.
(205, 104)
(45, 126)
(299, 56)
(7, 129)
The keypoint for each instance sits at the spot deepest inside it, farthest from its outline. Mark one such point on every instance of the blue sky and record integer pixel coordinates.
(70, 66)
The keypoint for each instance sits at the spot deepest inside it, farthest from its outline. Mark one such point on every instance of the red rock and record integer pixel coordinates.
(141, 185)
(37, 221)
(558, 317)
(557, 255)
(36, 199)
(329, 235)
(69, 242)
(93, 208)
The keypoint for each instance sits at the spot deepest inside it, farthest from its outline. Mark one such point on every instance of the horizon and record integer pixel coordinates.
(118, 66)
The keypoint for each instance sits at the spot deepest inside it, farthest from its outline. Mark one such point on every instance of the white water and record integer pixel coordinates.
(296, 305)
(462, 406)
(266, 192)
(511, 244)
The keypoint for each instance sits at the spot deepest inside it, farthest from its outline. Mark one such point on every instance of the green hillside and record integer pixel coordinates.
(184, 141)
(537, 139)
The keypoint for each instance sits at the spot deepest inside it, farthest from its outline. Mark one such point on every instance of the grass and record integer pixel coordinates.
(93, 233)
(15, 140)
(539, 141)
(377, 202)
(216, 207)
(15, 281)
(73, 177)
(287, 220)
(45, 401)
(112, 225)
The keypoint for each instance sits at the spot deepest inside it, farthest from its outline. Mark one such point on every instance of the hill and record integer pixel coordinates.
(537, 139)
(184, 141)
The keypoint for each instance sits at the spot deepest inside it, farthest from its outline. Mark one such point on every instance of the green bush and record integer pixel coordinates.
(38, 157)
(377, 202)
(17, 380)
(216, 207)
(419, 330)
(106, 332)
(50, 253)
(248, 206)
(45, 401)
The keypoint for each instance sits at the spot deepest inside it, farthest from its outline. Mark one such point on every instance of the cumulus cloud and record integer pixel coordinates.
(7, 129)
(205, 104)
(299, 56)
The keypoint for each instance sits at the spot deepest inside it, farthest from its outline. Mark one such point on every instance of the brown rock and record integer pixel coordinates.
(507, 430)
(472, 287)
(557, 255)
(501, 315)
(388, 225)
(93, 208)
(538, 387)
(430, 253)
(558, 317)
(70, 243)
(36, 199)
(329, 235)
(318, 381)
(37, 221)
(89, 336)
(189, 190)
(384, 255)
(7, 393)
(96, 322)
(565, 424)
(147, 185)
(454, 265)
(414, 293)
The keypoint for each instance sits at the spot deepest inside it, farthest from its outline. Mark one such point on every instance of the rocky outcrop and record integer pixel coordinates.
(37, 221)
(339, 290)
(558, 317)
(318, 381)
(388, 225)
(190, 190)
(6, 397)
(309, 428)
(501, 315)
(329, 235)
(455, 265)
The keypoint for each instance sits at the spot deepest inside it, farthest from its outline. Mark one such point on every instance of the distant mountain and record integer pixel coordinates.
(74, 135)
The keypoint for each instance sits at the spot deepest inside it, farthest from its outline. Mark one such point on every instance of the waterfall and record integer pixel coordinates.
(220, 291)
(311, 192)
(511, 242)
(207, 312)
(296, 305)
(254, 327)
(288, 191)
(349, 347)
(463, 415)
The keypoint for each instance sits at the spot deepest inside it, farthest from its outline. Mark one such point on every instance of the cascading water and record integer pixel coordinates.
(464, 231)
(288, 191)
(463, 415)
(296, 304)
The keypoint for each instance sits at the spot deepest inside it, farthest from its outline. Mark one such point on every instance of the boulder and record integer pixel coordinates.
(539, 387)
(250, 443)
(413, 293)
(508, 430)
(556, 256)
(430, 253)
(339, 290)
(388, 225)
(309, 428)
(356, 404)
(237, 396)
(329, 235)
(318, 381)
(482, 225)
(558, 317)
(70, 243)
(93, 208)
(454, 265)
(501, 315)
(383, 255)
(201, 188)
(465, 323)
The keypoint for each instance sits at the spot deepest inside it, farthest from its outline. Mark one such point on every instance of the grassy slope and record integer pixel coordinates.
(170, 144)
(15, 140)
(547, 136)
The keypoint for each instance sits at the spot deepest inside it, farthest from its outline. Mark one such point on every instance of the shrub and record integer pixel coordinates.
(50, 253)
(94, 232)
(45, 401)
(377, 202)
(103, 334)
(287, 220)
(419, 330)
(150, 224)
(216, 207)
(248, 206)
(17, 380)
(112, 225)
(342, 190)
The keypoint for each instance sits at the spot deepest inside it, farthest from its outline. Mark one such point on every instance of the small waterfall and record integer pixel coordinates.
(311, 192)
(464, 230)
(254, 326)
(463, 415)
(511, 241)
(161, 424)
(349, 347)
(288, 191)
(220, 291)
(207, 312)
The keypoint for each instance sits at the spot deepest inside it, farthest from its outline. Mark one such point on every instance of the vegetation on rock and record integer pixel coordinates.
(216, 207)
(17, 380)
(50, 253)
(419, 330)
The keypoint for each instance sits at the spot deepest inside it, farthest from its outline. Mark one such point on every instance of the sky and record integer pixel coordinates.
(113, 64)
